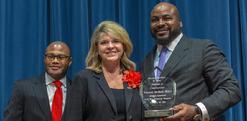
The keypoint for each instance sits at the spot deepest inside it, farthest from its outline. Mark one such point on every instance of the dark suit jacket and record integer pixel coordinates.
(29, 101)
(93, 100)
(201, 73)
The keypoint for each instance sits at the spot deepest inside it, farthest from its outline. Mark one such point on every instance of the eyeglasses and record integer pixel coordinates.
(51, 57)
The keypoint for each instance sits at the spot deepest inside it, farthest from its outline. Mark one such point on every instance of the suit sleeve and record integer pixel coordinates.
(78, 98)
(222, 84)
(15, 107)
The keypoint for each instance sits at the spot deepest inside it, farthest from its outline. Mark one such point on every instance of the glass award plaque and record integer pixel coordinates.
(158, 96)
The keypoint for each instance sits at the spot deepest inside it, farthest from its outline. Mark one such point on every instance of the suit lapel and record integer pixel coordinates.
(107, 91)
(42, 96)
(68, 84)
(128, 93)
(180, 51)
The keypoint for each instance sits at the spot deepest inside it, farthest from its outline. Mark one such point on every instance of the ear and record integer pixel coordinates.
(181, 24)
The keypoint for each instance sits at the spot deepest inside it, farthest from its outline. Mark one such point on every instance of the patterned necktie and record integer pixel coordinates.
(162, 60)
(57, 103)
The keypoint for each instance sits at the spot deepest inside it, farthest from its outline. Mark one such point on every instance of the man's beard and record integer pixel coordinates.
(163, 42)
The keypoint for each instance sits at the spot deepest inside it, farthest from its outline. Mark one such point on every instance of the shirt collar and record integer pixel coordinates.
(172, 45)
(49, 80)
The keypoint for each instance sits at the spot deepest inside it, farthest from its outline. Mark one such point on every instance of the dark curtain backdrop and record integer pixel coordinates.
(28, 26)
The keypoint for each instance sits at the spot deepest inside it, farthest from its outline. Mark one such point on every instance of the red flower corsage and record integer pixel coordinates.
(132, 78)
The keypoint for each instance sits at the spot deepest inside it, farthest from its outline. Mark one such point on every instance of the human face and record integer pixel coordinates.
(57, 60)
(110, 48)
(165, 23)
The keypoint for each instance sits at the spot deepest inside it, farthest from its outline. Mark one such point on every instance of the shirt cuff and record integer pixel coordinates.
(205, 116)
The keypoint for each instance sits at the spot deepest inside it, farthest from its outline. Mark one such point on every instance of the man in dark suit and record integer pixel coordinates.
(205, 83)
(43, 98)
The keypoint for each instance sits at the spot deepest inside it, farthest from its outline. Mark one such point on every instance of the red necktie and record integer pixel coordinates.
(57, 104)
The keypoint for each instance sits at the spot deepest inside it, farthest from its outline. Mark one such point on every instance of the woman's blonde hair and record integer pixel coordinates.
(93, 60)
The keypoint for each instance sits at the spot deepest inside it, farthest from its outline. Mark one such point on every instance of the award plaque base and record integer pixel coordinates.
(157, 113)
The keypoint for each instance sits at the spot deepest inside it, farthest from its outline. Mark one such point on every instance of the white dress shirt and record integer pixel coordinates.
(170, 49)
(51, 88)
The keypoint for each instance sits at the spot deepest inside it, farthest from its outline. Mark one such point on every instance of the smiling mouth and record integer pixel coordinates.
(112, 52)
(54, 67)
(162, 33)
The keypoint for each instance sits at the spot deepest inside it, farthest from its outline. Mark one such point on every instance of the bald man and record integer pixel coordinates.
(205, 83)
(39, 98)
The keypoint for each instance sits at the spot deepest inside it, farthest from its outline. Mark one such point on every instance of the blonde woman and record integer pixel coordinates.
(101, 89)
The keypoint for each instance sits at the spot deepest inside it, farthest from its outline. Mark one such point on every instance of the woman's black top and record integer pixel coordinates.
(120, 102)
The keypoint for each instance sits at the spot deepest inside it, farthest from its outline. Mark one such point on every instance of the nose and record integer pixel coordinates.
(55, 60)
(161, 22)
(110, 44)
